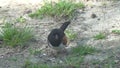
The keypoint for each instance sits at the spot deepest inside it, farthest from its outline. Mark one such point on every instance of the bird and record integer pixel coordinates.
(57, 38)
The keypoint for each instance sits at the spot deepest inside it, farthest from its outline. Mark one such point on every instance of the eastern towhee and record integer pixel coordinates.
(57, 38)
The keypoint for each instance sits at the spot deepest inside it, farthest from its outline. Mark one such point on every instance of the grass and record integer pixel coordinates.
(14, 36)
(72, 35)
(77, 55)
(28, 64)
(64, 8)
(13, 59)
(72, 60)
(34, 51)
(83, 50)
(99, 36)
(106, 63)
(21, 19)
(116, 31)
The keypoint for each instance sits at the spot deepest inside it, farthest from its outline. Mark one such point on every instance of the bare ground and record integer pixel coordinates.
(86, 27)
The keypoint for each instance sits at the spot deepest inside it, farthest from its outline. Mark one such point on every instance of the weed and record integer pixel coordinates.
(106, 63)
(99, 36)
(21, 19)
(13, 59)
(13, 36)
(74, 61)
(116, 31)
(109, 62)
(77, 55)
(71, 34)
(83, 50)
(34, 51)
(29, 64)
(63, 8)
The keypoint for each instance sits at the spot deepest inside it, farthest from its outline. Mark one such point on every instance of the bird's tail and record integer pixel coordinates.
(64, 25)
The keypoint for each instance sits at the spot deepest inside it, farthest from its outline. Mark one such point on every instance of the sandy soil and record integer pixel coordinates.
(107, 19)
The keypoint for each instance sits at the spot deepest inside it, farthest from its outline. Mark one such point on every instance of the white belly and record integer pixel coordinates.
(60, 47)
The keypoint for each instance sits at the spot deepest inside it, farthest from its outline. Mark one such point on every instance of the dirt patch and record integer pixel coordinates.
(107, 18)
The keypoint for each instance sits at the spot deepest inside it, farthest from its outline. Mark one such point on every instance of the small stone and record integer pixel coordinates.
(61, 61)
(93, 15)
(52, 60)
(116, 61)
(113, 26)
(98, 19)
(27, 11)
(1, 56)
(44, 54)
